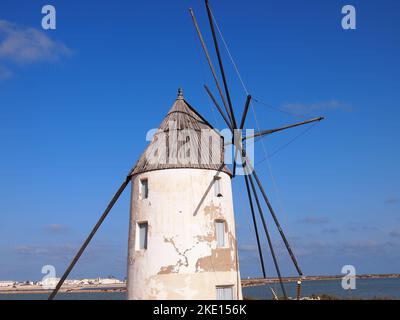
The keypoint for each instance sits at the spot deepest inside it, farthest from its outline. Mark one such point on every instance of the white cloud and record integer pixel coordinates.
(330, 230)
(64, 252)
(313, 108)
(395, 234)
(314, 220)
(392, 200)
(56, 228)
(28, 45)
(59, 251)
(248, 248)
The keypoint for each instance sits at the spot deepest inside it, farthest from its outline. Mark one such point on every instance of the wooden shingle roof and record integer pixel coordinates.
(184, 140)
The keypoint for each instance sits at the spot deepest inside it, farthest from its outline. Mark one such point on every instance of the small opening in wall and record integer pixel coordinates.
(224, 292)
(217, 187)
(220, 233)
(144, 189)
(142, 229)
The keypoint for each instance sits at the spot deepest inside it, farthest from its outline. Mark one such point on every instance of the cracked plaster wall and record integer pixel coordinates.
(182, 260)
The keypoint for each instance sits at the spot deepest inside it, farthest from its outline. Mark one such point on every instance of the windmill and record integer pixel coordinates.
(183, 117)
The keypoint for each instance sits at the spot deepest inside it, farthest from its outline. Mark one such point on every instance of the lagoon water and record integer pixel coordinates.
(365, 289)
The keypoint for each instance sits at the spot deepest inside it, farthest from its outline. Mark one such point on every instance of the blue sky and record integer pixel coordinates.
(76, 103)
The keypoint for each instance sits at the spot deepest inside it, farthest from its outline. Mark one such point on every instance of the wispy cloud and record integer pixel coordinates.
(28, 45)
(56, 251)
(392, 200)
(330, 230)
(56, 228)
(314, 220)
(248, 248)
(363, 228)
(318, 107)
(395, 234)
(349, 248)
(64, 252)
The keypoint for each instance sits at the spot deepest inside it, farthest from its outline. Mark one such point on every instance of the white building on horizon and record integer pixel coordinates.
(7, 283)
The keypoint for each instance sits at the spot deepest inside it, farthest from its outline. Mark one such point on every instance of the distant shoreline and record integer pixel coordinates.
(43, 291)
(32, 289)
(261, 281)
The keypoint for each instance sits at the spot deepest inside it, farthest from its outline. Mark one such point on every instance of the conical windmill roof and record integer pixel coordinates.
(184, 140)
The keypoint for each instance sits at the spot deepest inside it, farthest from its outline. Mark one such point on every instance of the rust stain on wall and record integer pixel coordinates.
(213, 211)
(209, 237)
(219, 260)
(167, 269)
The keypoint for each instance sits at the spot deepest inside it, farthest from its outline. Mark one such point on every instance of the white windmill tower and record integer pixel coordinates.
(182, 242)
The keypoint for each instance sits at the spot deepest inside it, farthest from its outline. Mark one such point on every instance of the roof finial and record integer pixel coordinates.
(180, 94)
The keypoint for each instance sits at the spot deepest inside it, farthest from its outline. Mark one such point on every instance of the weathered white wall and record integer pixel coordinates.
(181, 260)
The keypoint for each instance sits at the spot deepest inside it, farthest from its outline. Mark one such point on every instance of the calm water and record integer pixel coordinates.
(366, 288)
(67, 296)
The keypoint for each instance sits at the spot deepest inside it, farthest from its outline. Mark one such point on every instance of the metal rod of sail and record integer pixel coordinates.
(218, 107)
(210, 64)
(234, 126)
(237, 140)
(271, 247)
(255, 227)
(265, 132)
(221, 66)
(89, 238)
(270, 131)
(250, 170)
(271, 210)
(246, 108)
